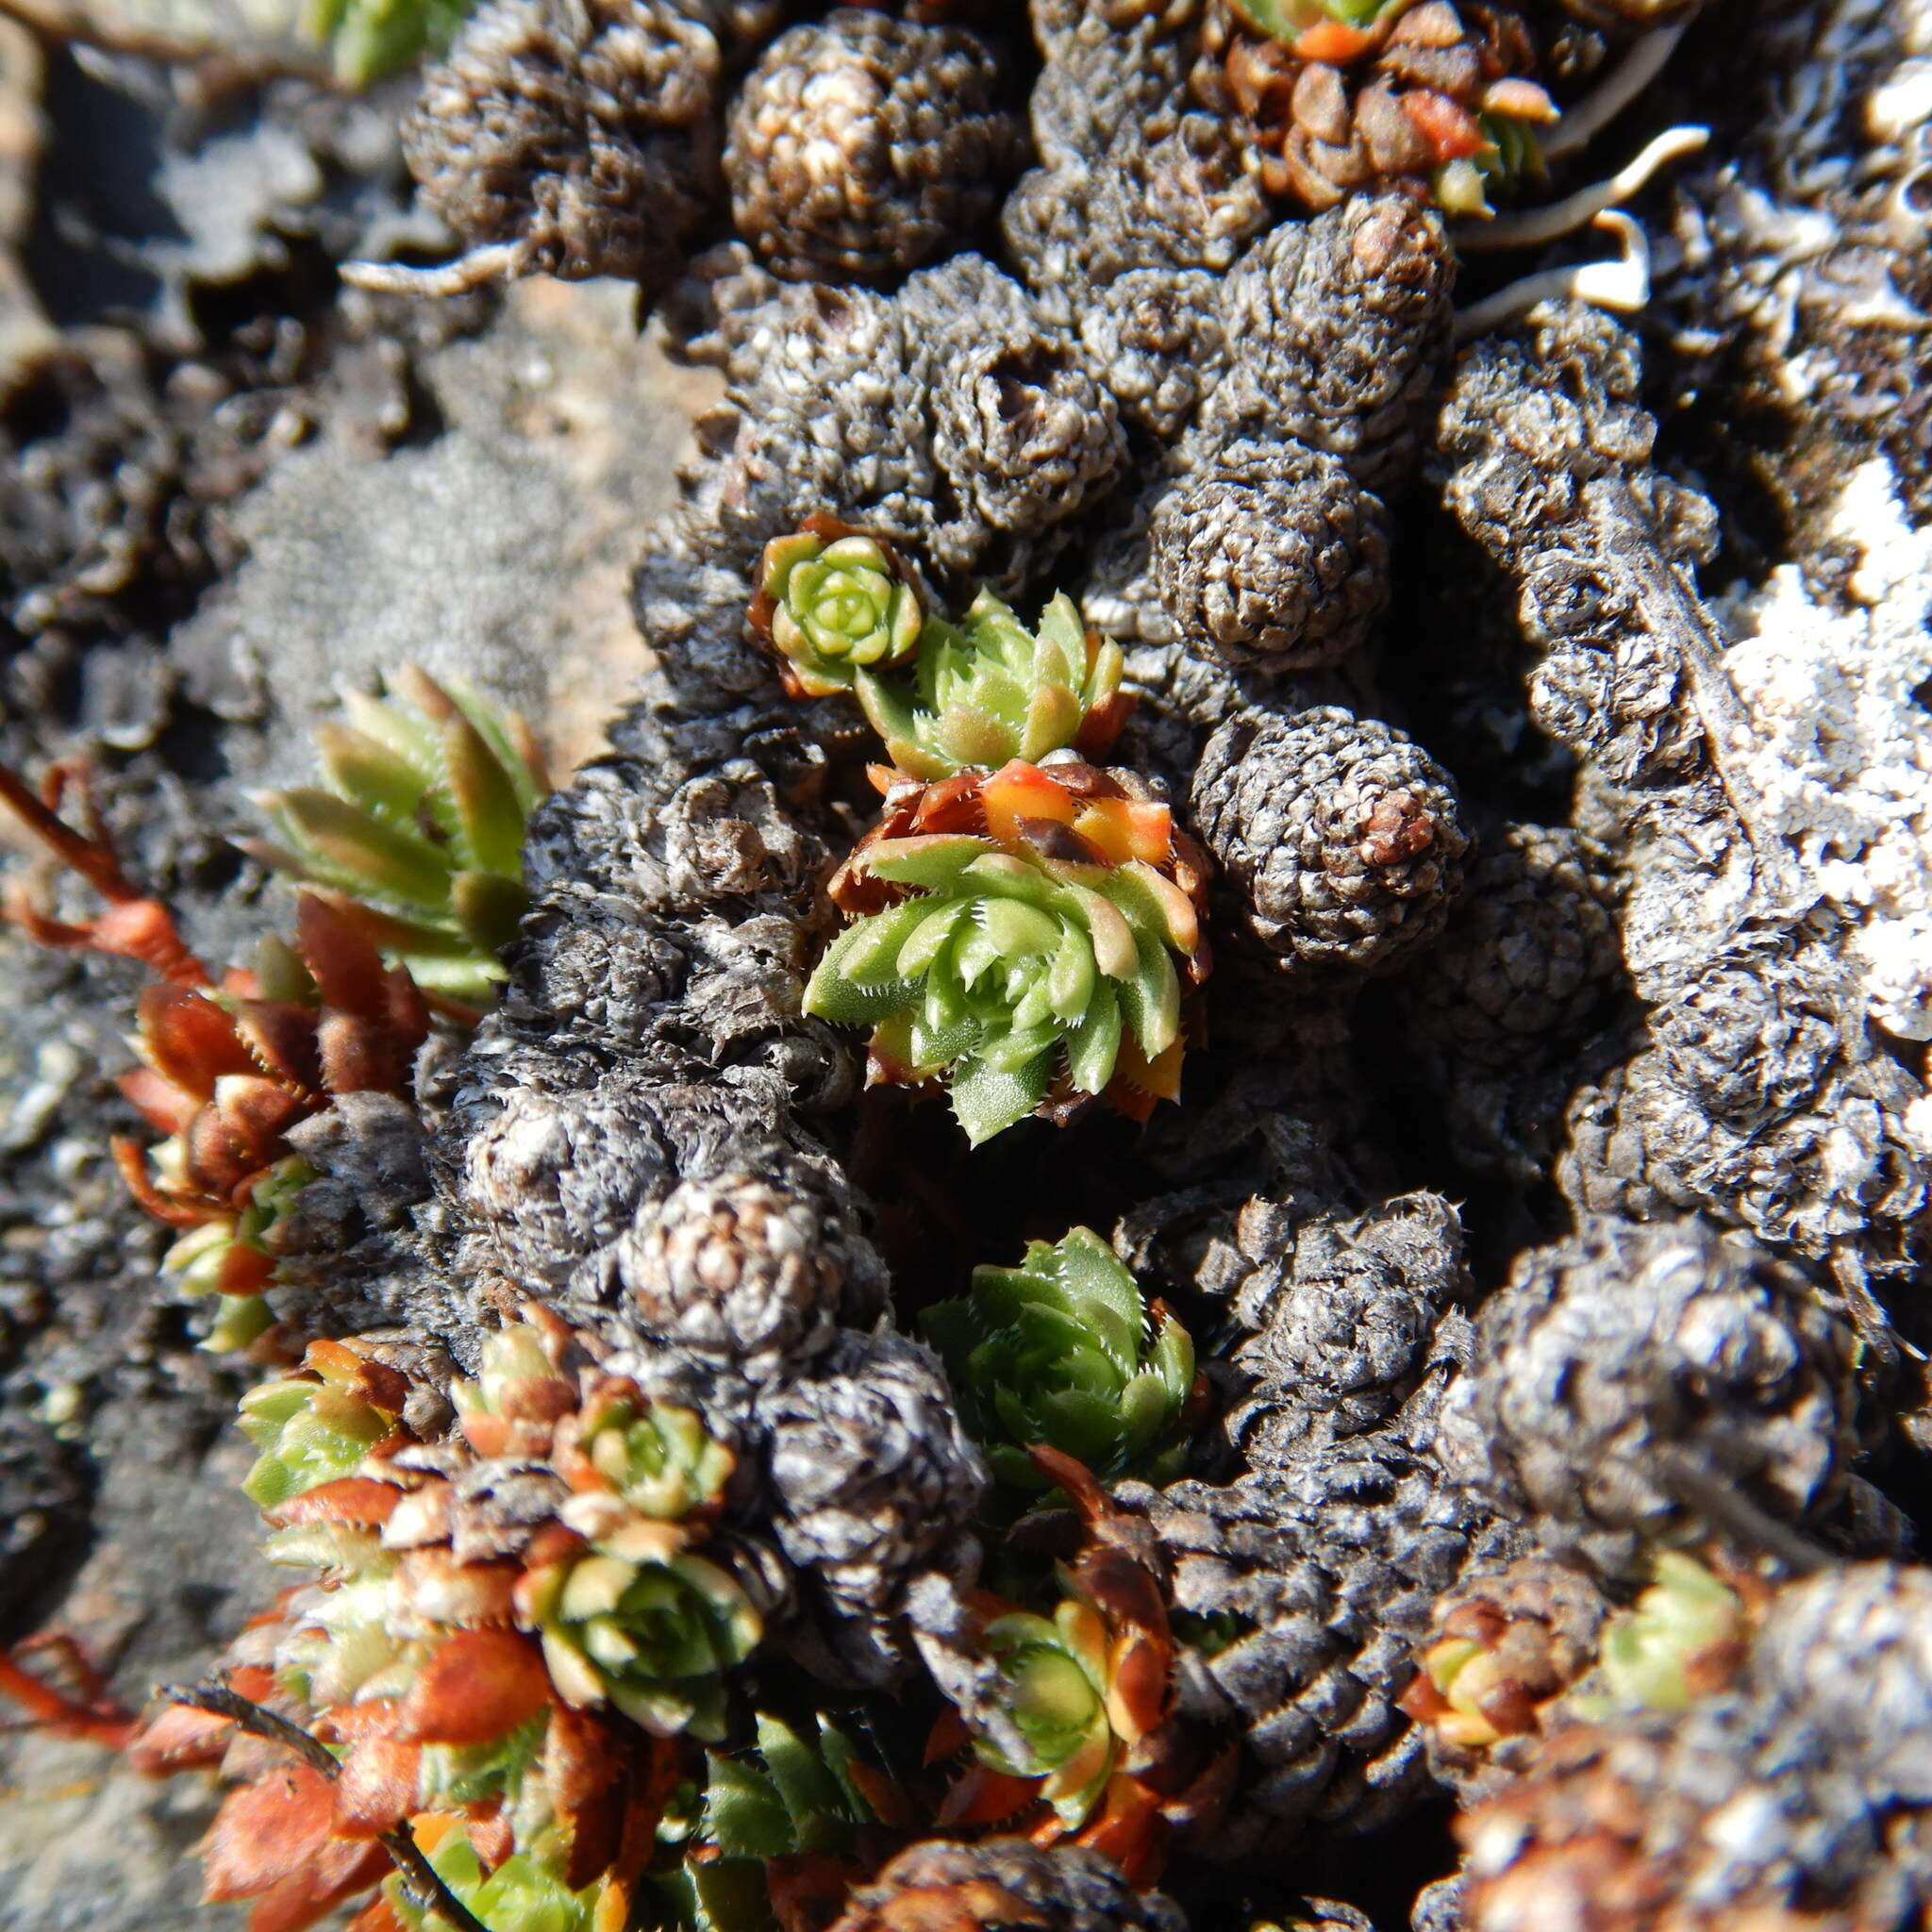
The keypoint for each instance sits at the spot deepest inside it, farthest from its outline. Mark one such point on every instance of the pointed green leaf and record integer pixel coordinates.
(841, 1755)
(932, 861)
(407, 734)
(1053, 720)
(1151, 998)
(1114, 949)
(1016, 929)
(1069, 980)
(744, 1816)
(987, 1101)
(489, 815)
(1094, 1046)
(369, 772)
(489, 908)
(359, 853)
(1105, 1293)
(871, 958)
(810, 1795)
(886, 704)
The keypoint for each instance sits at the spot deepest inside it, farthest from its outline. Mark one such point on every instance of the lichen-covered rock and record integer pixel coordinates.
(1842, 766)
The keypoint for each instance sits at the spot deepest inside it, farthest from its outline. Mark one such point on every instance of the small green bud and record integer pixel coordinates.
(1053, 1684)
(832, 603)
(1688, 1618)
(655, 1638)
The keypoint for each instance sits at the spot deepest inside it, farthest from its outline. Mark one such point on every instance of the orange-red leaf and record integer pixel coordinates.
(274, 1839)
(477, 1686)
(160, 1103)
(376, 1788)
(358, 1055)
(281, 1035)
(360, 1501)
(177, 1737)
(347, 969)
(581, 1759)
(1451, 130)
(187, 1040)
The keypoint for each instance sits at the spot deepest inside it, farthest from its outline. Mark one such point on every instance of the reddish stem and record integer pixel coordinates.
(93, 1716)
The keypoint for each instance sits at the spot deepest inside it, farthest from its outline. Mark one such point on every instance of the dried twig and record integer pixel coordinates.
(424, 1884)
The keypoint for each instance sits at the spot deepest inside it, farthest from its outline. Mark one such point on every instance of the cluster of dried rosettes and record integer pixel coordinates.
(1024, 923)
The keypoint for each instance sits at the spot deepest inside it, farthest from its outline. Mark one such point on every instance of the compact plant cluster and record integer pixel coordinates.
(823, 1370)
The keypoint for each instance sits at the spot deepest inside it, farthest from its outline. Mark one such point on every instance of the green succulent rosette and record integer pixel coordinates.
(317, 1425)
(418, 827)
(1029, 962)
(987, 689)
(1062, 1351)
(1053, 1685)
(833, 603)
(641, 1622)
(524, 1894)
(1650, 1653)
(659, 1458)
(368, 39)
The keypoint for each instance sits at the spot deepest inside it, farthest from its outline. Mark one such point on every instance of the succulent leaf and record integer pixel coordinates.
(1675, 1640)
(1062, 1351)
(1288, 20)
(419, 826)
